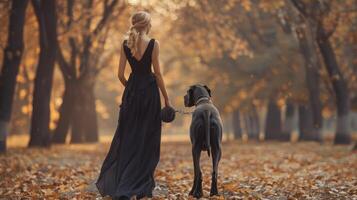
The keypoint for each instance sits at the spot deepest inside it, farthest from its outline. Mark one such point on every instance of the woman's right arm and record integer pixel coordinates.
(122, 64)
(157, 72)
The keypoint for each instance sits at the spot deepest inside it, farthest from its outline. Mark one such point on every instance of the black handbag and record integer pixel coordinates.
(168, 114)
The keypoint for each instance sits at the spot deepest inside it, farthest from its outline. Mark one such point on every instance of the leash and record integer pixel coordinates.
(183, 112)
(190, 112)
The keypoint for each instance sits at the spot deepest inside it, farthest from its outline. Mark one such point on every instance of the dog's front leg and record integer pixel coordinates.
(196, 190)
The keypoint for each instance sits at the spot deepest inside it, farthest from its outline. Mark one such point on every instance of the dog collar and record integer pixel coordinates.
(202, 99)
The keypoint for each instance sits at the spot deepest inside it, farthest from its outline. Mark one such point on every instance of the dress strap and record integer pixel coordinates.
(126, 48)
(151, 47)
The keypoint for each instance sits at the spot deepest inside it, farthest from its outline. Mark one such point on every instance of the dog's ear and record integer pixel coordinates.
(208, 90)
(188, 98)
(191, 100)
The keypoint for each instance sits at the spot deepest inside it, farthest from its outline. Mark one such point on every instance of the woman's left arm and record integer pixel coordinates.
(122, 64)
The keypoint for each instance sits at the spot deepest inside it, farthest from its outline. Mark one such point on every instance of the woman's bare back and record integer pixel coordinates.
(143, 45)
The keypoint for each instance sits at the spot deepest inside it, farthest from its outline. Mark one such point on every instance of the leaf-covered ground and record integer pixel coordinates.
(247, 171)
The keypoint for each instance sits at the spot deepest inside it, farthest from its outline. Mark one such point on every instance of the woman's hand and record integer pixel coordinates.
(122, 80)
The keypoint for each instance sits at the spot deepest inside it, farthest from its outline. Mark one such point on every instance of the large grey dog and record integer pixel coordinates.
(205, 134)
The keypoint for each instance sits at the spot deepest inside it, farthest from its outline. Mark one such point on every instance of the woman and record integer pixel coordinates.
(129, 166)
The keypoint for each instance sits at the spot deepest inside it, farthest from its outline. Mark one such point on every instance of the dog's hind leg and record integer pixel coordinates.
(196, 190)
(216, 133)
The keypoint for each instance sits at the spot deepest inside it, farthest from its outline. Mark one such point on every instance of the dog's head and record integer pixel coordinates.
(194, 93)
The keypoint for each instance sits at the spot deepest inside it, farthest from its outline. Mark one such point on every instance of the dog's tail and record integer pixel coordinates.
(207, 122)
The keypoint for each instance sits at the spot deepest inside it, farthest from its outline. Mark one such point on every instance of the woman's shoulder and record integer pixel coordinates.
(155, 40)
(125, 45)
(156, 43)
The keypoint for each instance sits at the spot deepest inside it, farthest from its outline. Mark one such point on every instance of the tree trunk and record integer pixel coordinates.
(343, 134)
(76, 124)
(247, 125)
(254, 126)
(46, 15)
(65, 113)
(289, 118)
(306, 126)
(273, 129)
(85, 124)
(353, 115)
(237, 129)
(12, 58)
(91, 117)
(307, 49)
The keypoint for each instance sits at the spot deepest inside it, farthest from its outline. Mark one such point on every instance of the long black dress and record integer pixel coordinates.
(129, 166)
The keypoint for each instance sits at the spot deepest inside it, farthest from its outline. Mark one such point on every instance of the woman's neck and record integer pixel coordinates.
(144, 36)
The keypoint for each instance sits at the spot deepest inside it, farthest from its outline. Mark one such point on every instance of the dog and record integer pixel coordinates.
(205, 134)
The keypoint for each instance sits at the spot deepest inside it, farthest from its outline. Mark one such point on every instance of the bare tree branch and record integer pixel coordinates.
(70, 4)
(68, 68)
(74, 53)
(63, 64)
(300, 6)
(37, 8)
(334, 26)
(108, 9)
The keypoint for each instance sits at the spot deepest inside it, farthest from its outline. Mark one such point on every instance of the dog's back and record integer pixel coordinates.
(206, 122)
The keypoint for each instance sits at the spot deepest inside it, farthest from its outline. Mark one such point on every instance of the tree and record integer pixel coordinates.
(315, 13)
(306, 124)
(273, 125)
(254, 57)
(242, 43)
(12, 58)
(236, 120)
(289, 123)
(80, 70)
(251, 123)
(45, 11)
(293, 23)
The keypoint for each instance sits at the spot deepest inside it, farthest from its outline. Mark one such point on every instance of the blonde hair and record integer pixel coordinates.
(140, 22)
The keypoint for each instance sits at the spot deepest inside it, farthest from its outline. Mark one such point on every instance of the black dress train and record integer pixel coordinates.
(129, 166)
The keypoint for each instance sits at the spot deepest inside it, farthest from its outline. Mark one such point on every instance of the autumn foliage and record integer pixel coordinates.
(247, 171)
